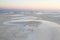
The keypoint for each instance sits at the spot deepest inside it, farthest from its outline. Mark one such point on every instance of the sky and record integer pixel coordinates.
(30, 4)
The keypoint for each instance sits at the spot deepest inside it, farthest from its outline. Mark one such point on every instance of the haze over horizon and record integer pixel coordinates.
(30, 4)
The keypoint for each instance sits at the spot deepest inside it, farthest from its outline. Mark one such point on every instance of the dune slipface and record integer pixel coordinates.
(32, 30)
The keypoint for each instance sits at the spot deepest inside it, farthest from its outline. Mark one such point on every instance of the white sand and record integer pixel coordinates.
(44, 31)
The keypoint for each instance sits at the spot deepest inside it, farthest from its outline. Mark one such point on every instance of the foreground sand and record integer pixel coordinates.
(13, 28)
(36, 30)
